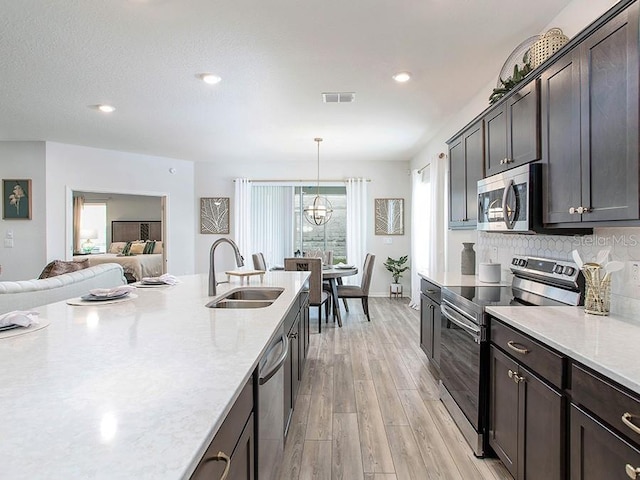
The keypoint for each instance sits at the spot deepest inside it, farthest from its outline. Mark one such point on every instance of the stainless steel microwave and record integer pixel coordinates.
(511, 201)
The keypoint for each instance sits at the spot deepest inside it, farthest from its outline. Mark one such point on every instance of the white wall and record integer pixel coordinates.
(72, 167)
(27, 258)
(388, 180)
(572, 19)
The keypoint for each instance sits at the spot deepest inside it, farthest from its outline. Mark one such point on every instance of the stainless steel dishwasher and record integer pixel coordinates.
(271, 408)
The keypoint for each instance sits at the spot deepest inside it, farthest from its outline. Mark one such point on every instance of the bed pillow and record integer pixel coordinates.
(117, 247)
(137, 248)
(58, 267)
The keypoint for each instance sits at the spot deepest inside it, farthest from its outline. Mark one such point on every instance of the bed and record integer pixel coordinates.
(134, 248)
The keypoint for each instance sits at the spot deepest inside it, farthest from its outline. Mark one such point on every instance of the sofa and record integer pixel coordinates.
(26, 294)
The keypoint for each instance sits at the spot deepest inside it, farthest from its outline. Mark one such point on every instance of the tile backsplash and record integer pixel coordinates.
(624, 243)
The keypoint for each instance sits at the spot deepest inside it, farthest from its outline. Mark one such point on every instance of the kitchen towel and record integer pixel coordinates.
(19, 317)
(165, 278)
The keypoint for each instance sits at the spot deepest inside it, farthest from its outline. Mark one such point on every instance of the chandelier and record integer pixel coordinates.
(319, 212)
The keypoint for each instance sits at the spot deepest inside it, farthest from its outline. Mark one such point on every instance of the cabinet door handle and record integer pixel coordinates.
(225, 458)
(581, 210)
(515, 377)
(632, 472)
(572, 210)
(626, 419)
(518, 349)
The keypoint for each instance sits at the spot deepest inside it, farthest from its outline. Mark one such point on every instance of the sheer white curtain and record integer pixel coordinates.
(427, 222)
(272, 222)
(242, 217)
(356, 225)
(421, 214)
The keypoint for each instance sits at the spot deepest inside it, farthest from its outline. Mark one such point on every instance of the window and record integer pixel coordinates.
(330, 236)
(94, 224)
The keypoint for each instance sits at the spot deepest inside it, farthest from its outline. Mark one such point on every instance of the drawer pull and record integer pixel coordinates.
(626, 419)
(632, 472)
(227, 460)
(431, 291)
(512, 345)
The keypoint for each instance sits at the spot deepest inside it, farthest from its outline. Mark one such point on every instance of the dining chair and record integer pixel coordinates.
(325, 255)
(317, 296)
(259, 262)
(360, 291)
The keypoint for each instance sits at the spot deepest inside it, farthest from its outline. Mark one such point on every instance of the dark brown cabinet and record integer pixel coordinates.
(233, 447)
(590, 127)
(297, 325)
(525, 420)
(597, 452)
(604, 430)
(430, 322)
(512, 130)
(466, 167)
(526, 405)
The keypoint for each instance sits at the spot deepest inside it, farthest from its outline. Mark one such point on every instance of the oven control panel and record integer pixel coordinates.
(544, 268)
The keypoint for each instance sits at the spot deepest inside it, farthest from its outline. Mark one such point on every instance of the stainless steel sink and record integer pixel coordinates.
(225, 303)
(246, 297)
(254, 293)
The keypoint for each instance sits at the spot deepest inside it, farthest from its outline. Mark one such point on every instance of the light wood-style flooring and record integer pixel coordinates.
(368, 406)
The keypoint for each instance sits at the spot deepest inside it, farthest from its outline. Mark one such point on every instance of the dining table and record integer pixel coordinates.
(334, 276)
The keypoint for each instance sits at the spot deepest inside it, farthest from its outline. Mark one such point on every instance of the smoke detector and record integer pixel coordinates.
(338, 97)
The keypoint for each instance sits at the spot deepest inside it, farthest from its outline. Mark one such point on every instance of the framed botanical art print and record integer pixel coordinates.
(16, 199)
(389, 216)
(214, 215)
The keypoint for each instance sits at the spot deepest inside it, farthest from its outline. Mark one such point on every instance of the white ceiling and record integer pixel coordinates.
(58, 58)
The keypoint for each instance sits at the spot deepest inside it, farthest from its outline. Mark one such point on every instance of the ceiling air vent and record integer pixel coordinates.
(338, 97)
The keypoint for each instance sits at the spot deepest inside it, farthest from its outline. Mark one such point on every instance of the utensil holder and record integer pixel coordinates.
(597, 299)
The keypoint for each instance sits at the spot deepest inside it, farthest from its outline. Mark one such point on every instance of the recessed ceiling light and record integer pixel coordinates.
(402, 77)
(210, 78)
(106, 108)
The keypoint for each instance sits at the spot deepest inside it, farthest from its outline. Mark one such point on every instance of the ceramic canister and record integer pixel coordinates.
(489, 272)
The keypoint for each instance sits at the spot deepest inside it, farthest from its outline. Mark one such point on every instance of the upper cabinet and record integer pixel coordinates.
(466, 167)
(590, 127)
(578, 114)
(512, 130)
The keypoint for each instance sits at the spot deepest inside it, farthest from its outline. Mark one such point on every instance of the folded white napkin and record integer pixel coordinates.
(164, 278)
(112, 292)
(18, 317)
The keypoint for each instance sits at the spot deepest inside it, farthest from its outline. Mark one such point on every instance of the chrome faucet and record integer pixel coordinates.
(212, 271)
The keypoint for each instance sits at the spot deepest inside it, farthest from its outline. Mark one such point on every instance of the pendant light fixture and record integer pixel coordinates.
(319, 212)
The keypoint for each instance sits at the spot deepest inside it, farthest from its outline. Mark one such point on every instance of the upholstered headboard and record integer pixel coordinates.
(131, 230)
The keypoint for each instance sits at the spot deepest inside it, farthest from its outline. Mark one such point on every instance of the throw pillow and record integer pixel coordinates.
(149, 246)
(127, 249)
(158, 247)
(137, 248)
(117, 247)
(58, 267)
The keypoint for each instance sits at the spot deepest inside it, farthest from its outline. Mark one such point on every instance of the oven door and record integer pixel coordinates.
(503, 201)
(460, 361)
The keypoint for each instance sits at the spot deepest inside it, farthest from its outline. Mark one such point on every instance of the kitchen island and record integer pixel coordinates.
(136, 389)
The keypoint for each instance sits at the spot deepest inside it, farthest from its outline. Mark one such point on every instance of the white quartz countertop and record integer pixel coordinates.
(456, 279)
(133, 390)
(608, 345)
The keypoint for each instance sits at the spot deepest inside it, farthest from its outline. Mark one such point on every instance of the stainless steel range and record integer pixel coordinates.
(464, 347)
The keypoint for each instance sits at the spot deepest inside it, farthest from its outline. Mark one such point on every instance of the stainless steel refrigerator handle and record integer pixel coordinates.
(463, 325)
(505, 214)
(285, 352)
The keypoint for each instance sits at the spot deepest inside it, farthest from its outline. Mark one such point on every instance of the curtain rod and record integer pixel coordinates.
(300, 181)
(440, 155)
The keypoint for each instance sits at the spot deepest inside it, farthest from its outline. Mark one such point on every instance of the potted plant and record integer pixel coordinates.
(397, 267)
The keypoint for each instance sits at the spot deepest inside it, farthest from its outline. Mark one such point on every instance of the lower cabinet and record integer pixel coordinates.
(297, 326)
(525, 420)
(430, 322)
(597, 452)
(233, 448)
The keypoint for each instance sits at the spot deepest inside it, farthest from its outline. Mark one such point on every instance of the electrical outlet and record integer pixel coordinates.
(494, 254)
(8, 243)
(635, 273)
